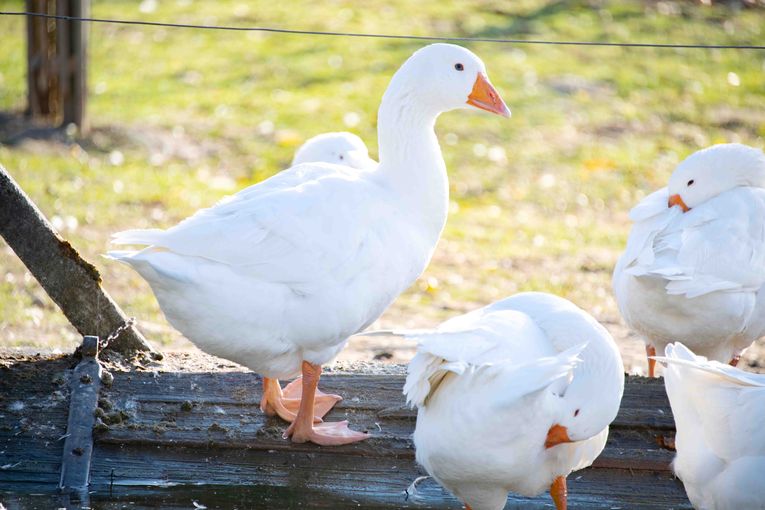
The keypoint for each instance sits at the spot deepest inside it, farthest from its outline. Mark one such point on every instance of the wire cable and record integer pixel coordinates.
(388, 36)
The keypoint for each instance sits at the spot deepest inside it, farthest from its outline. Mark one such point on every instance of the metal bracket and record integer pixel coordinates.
(78, 448)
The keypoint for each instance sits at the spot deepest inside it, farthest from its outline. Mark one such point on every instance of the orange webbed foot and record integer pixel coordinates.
(274, 402)
(303, 429)
(324, 434)
(286, 402)
(322, 402)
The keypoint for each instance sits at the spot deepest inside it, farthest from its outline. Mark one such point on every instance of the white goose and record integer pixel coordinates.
(340, 148)
(278, 276)
(694, 267)
(513, 397)
(719, 414)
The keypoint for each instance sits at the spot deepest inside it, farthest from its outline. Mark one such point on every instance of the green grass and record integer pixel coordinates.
(183, 117)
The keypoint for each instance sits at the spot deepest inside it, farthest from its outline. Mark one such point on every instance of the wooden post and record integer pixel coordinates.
(39, 71)
(72, 282)
(57, 63)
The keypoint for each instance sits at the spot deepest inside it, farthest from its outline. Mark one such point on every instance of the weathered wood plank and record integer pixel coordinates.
(318, 480)
(171, 431)
(72, 282)
(34, 399)
(223, 411)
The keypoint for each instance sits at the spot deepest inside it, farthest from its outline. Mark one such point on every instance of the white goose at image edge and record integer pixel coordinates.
(719, 413)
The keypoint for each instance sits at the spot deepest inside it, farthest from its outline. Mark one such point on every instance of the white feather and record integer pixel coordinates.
(719, 412)
(489, 385)
(696, 276)
(285, 270)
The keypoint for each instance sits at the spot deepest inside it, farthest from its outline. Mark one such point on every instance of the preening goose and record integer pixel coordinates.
(341, 148)
(694, 267)
(719, 414)
(278, 276)
(513, 397)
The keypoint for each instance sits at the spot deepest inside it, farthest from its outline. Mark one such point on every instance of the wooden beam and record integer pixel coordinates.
(72, 282)
(168, 438)
(223, 404)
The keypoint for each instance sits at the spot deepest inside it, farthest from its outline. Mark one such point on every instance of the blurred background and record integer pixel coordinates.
(180, 118)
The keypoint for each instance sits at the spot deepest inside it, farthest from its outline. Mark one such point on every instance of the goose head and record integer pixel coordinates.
(591, 400)
(337, 148)
(715, 170)
(444, 77)
(587, 409)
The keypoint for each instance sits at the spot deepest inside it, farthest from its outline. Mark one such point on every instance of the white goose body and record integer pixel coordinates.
(719, 411)
(697, 276)
(275, 289)
(492, 384)
(278, 276)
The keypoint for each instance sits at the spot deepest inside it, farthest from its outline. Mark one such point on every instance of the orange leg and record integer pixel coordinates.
(734, 360)
(650, 350)
(286, 403)
(274, 402)
(559, 492)
(303, 429)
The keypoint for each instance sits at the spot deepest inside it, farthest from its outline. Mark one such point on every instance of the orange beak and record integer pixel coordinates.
(677, 200)
(556, 435)
(485, 97)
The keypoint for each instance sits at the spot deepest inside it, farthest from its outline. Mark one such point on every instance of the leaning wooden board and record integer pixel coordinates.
(178, 437)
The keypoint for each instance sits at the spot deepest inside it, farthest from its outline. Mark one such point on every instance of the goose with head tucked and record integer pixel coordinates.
(513, 397)
(339, 148)
(719, 411)
(694, 267)
(278, 276)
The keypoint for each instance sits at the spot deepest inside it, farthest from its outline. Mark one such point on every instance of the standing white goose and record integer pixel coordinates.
(513, 397)
(278, 276)
(339, 148)
(719, 414)
(694, 267)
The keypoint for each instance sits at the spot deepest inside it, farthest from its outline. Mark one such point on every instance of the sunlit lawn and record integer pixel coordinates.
(182, 117)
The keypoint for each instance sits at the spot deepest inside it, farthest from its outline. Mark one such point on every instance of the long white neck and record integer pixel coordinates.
(411, 164)
(601, 373)
(601, 359)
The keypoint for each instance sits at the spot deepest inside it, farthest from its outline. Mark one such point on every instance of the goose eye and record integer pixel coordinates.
(341, 157)
(459, 67)
(690, 183)
(576, 413)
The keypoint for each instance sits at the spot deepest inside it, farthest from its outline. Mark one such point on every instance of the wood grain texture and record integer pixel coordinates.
(170, 432)
(72, 282)
(57, 63)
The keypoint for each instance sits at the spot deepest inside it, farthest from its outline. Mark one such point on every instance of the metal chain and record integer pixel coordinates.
(129, 323)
